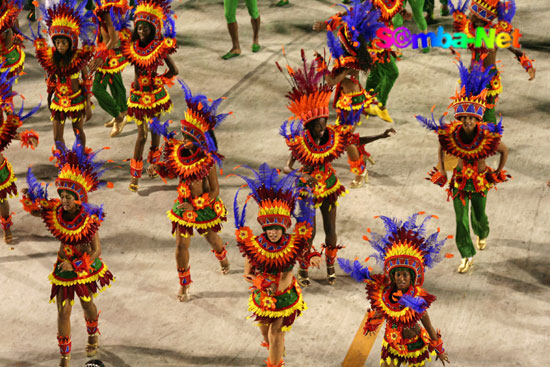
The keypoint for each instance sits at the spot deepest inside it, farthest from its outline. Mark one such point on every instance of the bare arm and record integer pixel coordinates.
(518, 54)
(289, 164)
(433, 336)
(96, 247)
(369, 139)
(502, 149)
(333, 80)
(172, 68)
(213, 184)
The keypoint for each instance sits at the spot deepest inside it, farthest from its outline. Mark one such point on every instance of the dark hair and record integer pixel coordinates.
(135, 36)
(60, 59)
(75, 196)
(94, 363)
(363, 55)
(411, 272)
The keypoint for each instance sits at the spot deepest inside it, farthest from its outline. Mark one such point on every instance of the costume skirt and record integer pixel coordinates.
(413, 352)
(7, 181)
(204, 219)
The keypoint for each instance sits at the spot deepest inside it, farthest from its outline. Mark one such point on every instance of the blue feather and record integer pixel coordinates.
(92, 209)
(418, 304)
(355, 269)
(36, 189)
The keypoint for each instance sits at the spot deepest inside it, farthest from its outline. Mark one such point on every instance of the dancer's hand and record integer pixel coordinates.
(66, 266)
(249, 278)
(319, 26)
(315, 262)
(186, 206)
(152, 169)
(443, 358)
(309, 180)
(389, 132)
(94, 64)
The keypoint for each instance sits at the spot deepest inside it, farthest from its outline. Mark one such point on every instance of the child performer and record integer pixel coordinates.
(471, 140)
(12, 56)
(483, 13)
(315, 145)
(276, 298)
(8, 132)
(109, 63)
(75, 224)
(68, 95)
(349, 51)
(397, 296)
(147, 48)
(193, 159)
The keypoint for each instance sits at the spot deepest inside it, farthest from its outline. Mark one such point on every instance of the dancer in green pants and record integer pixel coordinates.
(230, 7)
(471, 140)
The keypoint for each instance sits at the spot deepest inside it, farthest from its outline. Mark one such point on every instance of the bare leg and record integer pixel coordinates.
(78, 129)
(139, 147)
(264, 329)
(233, 29)
(5, 213)
(216, 243)
(90, 313)
(182, 260)
(276, 341)
(255, 30)
(303, 274)
(328, 212)
(63, 322)
(58, 128)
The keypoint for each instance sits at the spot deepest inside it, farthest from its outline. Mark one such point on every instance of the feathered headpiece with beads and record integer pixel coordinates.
(201, 119)
(70, 19)
(485, 9)
(277, 196)
(118, 7)
(359, 26)
(310, 95)
(404, 245)
(79, 172)
(471, 97)
(158, 13)
(9, 11)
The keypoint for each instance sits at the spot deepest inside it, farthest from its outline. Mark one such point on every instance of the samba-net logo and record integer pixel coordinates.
(402, 38)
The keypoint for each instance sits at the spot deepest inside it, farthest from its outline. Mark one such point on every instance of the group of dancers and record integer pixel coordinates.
(108, 43)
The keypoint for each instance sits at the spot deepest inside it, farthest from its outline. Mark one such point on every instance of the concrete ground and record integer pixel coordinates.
(496, 315)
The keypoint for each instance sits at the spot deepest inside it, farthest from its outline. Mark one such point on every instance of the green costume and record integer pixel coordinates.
(117, 103)
(480, 222)
(418, 15)
(230, 8)
(381, 79)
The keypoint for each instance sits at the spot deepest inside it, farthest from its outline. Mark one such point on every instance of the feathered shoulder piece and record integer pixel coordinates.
(310, 95)
(388, 9)
(358, 29)
(159, 15)
(9, 11)
(505, 14)
(471, 97)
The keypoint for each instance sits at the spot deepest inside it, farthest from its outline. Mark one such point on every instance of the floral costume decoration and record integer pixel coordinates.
(69, 19)
(9, 125)
(12, 58)
(148, 96)
(79, 174)
(114, 61)
(498, 15)
(278, 199)
(467, 183)
(404, 246)
(198, 124)
(309, 100)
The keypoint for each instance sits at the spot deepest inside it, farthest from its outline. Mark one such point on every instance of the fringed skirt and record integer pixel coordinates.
(144, 105)
(412, 352)
(203, 220)
(7, 181)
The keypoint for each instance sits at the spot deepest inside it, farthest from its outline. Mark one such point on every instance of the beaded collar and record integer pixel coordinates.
(483, 145)
(194, 167)
(78, 231)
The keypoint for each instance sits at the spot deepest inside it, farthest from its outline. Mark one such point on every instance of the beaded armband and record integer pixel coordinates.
(372, 323)
(526, 62)
(437, 344)
(436, 177)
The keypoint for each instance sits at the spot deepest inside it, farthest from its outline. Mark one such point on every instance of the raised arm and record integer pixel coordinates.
(369, 139)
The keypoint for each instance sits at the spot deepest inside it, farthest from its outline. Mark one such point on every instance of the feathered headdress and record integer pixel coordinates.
(471, 98)
(485, 9)
(201, 119)
(9, 10)
(158, 13)
(118, 7)
(70, 19)
(388, 8)
(359, 26)
(404, 245)
(277, 196)
(310, 95)
(79, 172)
(505, 12)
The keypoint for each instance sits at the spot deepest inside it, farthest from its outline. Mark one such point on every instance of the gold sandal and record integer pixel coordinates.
(133, 187)
(184, 296)
(303, 278)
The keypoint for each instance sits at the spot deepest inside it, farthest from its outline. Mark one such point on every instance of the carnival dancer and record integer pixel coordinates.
(75, 223)
(470, 139)
(315, 145)
(109, 64)
(193, 160)
(384, 71)
(396, 296)
(69, 87)
(490, 14)
(357, 29)
(230, 9)
(276, 299)
(149, 46)
(12, 56)
(8, 132)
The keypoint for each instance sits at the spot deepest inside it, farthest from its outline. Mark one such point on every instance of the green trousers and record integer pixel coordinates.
(478, 218)
(115, 104)
(418, 15)
(230, 8)
(429, 5)
(382, 78)
(490, 114)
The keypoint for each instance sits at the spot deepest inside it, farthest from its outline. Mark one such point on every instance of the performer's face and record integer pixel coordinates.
(274, 234)
(67, 201)
(188, 143)
(144, 31)
(62, 45)
(402, 279)
(469, 123)
(476, 20)
(319, 127)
